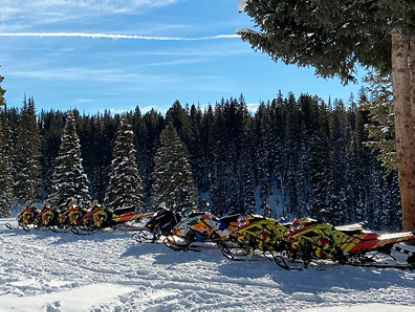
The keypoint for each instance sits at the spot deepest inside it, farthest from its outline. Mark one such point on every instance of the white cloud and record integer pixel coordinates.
(87, 74)
(50, 11)
(252, 107)
(115, 36)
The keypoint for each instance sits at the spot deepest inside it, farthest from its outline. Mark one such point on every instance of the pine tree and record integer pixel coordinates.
(68, 178)
(124, 189)
(263, 154)
(381, 125)
(28, 185)
(173, 179)
(6, 162)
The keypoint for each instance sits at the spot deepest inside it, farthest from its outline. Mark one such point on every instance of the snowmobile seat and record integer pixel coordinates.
(229, 219)
(350, 229)
(123, 210)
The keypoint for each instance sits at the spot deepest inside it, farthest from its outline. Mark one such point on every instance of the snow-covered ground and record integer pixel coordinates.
(108, 271)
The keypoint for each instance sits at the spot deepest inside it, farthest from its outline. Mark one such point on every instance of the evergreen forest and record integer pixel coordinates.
(292, 157)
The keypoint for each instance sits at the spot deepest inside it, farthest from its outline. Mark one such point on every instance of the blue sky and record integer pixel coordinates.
(65, 54)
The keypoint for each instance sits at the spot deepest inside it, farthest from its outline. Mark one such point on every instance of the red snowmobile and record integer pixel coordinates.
(98, 217)
(27, 217)
(47, 218)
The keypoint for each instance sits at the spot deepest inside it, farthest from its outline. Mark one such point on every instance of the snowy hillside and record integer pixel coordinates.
(108, 271)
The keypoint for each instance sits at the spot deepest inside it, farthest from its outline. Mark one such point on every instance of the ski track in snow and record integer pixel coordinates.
(109, 271)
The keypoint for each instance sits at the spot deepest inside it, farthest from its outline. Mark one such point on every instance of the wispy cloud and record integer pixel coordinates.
(88, 74)
(115, 36)
(50, 11)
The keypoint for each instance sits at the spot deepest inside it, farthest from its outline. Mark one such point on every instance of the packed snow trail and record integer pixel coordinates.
(108, 271)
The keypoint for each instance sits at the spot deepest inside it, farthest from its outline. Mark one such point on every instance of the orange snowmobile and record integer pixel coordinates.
(201, 227)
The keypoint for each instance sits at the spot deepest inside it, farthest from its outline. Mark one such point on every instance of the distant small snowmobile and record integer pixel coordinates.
(98, 217)
(27, 217)
(309, 239)
(200, 227)
(47, 218)
(160, 224)
(71, 217)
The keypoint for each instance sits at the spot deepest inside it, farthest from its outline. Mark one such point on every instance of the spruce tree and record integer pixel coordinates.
(381, 125)
(28, 185)
(124, 188)
(173, 179)
(6, 162)
(69, 179)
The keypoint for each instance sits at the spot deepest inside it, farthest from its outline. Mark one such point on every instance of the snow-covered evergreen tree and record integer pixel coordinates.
(28, 184)
(173, 179)
(263, 153)
(124, 189)
(69, 179)
(6, 163)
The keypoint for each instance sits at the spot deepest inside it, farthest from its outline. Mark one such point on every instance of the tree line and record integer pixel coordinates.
(293, 157)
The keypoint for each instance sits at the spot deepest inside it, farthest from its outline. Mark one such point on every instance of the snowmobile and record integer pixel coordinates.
(95, 218)
(310, 239)
(128, 215)
(160, 224)
(71, 217)
(98, 217)
(47, 218)
(27, 217)
(200, 227)
(254, 232)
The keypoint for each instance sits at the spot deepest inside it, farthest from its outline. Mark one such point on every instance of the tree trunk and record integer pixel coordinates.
(403, 101)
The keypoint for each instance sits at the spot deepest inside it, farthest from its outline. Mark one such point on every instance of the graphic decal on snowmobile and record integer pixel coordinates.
(201, 227)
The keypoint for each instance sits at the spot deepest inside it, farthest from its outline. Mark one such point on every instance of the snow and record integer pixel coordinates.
(245, 30)
(109, 271)
(242, 5)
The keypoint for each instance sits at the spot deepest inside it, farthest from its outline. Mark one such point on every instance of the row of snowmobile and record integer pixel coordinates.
(76, 219)
(292, 246)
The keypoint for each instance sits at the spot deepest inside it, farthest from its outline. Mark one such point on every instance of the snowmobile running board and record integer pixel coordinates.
(401, 266)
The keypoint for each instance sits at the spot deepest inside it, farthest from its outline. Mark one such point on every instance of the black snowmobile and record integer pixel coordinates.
(160, 224)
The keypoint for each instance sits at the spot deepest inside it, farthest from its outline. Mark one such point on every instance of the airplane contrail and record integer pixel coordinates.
(116, 36)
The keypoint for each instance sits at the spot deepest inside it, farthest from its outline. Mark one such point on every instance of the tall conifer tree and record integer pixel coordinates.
(6, 163)
(28, 185)
(69, 179)
(173, 179)
(124, 189)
